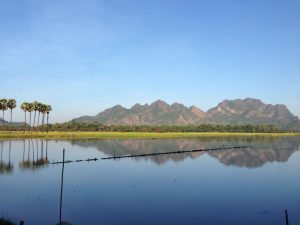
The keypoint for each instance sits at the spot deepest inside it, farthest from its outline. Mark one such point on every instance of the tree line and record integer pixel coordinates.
(247, 128)
(6, 104)
(42, 109)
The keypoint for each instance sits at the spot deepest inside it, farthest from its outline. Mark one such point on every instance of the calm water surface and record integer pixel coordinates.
(242, 186)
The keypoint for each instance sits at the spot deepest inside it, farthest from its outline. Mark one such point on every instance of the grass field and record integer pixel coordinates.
(100, 135)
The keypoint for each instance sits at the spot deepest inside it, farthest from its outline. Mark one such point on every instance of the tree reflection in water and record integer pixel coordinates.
(5, 167)
(264, 149)
(38, 160)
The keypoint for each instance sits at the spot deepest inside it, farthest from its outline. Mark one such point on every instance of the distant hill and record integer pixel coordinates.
(1, 121)
(239, 111)
(8, 123)
(157, 113)
(252, 111)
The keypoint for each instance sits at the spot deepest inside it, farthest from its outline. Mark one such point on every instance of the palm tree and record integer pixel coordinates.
(24, 107)
(35, 107)
(11, 104)
(3, 105)
(39, 106)
(48, 110)
(43, 111)
(30, 109)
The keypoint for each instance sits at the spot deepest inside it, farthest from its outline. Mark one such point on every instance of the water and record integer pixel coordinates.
(242, 186)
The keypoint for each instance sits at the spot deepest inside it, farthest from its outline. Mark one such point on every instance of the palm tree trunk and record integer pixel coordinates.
(3, 119)
(43, 121)
(10, 120)
(43, 117)
(25, 122)
(34, 118)
(47, 122)
(30, 121)
(38, 123)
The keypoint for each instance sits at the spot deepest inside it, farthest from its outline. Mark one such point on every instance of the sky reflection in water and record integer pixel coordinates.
(243, 186)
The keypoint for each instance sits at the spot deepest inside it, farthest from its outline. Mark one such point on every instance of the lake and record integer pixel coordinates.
(253, 185)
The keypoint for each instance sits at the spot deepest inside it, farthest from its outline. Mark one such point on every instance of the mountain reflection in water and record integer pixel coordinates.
(264, 149)
(132, 190)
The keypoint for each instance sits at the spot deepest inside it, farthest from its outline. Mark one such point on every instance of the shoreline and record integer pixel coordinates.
(122, 135)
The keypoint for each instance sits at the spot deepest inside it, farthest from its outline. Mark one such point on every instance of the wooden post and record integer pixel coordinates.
(61, 186)
(286, 217)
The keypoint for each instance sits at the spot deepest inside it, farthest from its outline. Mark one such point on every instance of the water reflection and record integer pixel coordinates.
(264, 149)
(253, 158)
(5, 166)
(127, 192)
(33, 155)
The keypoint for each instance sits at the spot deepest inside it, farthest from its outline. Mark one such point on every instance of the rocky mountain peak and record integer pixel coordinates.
(239, 111)
(196, 111)
(252, 111)
(159, 103)
(178, 106)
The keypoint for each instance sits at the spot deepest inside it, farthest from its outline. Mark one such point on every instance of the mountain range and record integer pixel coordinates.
(239, 111)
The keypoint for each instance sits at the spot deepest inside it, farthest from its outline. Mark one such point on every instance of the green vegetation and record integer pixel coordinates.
(5, 105)
(77, 126)
(11, 104)
(83, 135)
(76, 130)
(26, 107)
(3, 108)
(36, 106)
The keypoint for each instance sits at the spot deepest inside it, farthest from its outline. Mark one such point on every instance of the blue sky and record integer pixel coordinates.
(84, 56)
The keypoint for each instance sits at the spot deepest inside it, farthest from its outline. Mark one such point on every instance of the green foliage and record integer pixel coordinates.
(36, 106)
(11, 103)
(3, 104)
(78, 126)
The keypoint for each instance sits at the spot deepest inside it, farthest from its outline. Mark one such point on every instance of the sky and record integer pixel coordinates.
(84, 56)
